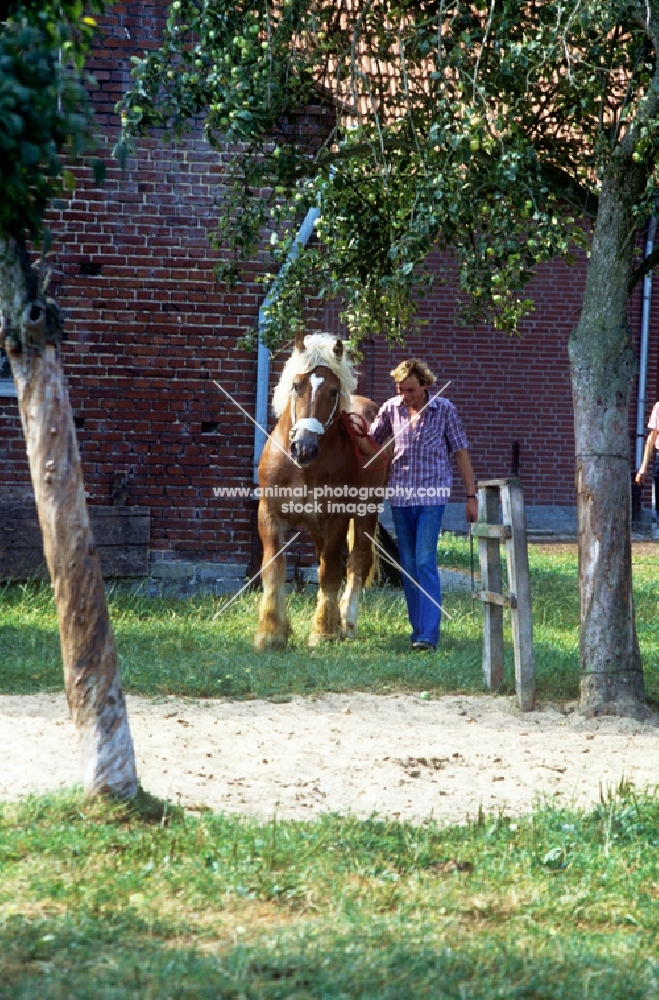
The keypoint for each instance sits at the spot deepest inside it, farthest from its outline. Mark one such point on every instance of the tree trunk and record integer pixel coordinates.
(603, 366)
(91, 675)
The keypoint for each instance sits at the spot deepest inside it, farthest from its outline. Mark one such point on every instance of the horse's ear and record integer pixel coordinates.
(338, 350)
(299, 341)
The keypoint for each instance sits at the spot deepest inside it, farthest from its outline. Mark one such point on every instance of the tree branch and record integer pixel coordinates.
(565, 186)
(360, 148)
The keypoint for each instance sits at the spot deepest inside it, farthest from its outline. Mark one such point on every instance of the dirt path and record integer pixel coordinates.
(398, 755)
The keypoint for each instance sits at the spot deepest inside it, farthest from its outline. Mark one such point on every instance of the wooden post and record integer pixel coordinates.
(490, 563)
(512, 502)
(489, 534)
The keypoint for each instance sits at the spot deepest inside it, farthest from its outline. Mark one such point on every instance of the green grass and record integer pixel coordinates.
(100, 900)
(185, 648)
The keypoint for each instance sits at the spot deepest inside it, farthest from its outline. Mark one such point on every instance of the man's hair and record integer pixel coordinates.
(413, 367)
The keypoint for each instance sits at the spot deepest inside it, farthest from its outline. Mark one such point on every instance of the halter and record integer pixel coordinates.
(310, 423)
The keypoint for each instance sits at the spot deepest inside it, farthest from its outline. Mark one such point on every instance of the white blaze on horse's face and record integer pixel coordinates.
(315, 380)
(305, 431)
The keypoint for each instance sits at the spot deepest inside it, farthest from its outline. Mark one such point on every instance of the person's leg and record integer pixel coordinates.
(430, 591)
(655, 487)
(405, 525)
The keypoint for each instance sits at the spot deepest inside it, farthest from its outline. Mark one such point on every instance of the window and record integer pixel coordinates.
(7, 386)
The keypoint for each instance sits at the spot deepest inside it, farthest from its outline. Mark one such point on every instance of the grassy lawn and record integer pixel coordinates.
(100, 901)
(182, 648)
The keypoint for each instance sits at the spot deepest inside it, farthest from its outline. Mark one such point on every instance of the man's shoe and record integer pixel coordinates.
(421, 646)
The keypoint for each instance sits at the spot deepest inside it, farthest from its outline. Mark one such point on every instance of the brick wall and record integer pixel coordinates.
(149, 330)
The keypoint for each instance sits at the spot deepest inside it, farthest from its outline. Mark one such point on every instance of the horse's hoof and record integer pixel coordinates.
(348, 631)
(319, 638)
(266, 643)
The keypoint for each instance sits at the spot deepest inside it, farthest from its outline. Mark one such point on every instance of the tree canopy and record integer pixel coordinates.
(45, 114)
(483, 126)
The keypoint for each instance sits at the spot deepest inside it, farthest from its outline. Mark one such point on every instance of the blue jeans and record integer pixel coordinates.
(417, 532)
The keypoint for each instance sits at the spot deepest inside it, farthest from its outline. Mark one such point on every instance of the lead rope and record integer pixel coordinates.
(356, 427)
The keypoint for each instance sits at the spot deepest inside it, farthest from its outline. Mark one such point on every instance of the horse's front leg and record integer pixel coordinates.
(327, 619)
(359, 565)
(273, 628)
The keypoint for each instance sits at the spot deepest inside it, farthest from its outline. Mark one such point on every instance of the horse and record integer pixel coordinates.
(313, 459)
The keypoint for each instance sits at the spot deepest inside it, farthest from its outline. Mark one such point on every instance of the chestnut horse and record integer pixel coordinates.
(311, 476)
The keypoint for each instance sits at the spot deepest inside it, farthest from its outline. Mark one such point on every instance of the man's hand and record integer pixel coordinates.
(463, 463)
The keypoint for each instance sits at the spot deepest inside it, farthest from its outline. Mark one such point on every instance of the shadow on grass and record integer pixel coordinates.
(96, 904)
(148, 808)
(116, 957)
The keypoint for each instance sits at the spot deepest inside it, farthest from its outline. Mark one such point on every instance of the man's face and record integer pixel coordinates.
(412, 391)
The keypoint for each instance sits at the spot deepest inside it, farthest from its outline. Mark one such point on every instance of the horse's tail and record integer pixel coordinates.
(373, 578)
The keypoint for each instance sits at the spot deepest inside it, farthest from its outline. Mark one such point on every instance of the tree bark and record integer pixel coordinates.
(603, 366)
(91, 675)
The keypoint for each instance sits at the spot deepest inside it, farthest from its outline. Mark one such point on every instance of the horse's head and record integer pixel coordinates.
(315, 397)
(314, 402)
(316, 384)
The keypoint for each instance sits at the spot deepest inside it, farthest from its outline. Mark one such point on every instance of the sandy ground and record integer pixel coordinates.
(398, 756)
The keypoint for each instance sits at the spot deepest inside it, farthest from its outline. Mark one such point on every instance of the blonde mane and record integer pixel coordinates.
(318, 350)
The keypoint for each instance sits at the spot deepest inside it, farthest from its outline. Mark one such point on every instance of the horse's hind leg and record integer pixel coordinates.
(327, 619)
(273, 628)
(359, 565)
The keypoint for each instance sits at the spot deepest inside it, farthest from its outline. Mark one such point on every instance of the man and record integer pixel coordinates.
(426, 430)
(651, 450)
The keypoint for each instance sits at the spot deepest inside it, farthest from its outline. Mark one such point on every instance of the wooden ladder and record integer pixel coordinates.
(490, 534)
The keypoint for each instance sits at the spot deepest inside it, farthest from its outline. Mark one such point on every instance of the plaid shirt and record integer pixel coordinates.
(421, 468)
